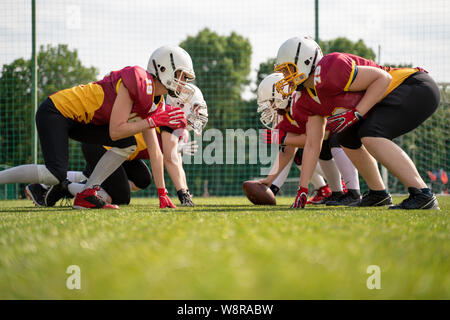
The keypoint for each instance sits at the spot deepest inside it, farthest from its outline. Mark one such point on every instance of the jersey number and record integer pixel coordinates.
(317, 76)
(149, 86)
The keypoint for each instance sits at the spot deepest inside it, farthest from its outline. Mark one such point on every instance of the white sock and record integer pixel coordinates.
(279, 181)
(316, 179)
(75, 188)
(332, 174)
(76, 176)
(346, 167)
(107, 164)
(28, 173)
(319, 169)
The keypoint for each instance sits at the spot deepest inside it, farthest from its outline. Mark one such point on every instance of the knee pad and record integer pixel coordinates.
(124, 152)
(144, 181)
(47, 177)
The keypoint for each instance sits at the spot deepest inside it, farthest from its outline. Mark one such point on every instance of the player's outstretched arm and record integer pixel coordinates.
(171, 159)
(296, 140)
(280, 163)
(157, 164)
(315, 130)
(119, 127)
(375, 82)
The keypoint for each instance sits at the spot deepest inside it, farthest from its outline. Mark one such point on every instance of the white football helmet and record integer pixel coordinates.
(165, 62)
(296, 59)
(269, 99)
(195, 109)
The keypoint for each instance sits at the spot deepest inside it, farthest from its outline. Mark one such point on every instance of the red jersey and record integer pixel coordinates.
(290, 124)
(92, 103)
(335, 73)
(306, 103)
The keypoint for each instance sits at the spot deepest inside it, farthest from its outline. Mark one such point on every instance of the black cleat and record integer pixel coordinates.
(371, 199)
(57, 192)
(351, 197)
(418, 200)
(185, 198)
(335, 196)
(36, 193)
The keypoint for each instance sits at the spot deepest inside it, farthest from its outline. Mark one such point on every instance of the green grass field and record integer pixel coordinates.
(224, 248)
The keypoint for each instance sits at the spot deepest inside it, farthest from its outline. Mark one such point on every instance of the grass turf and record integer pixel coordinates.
(224, 248)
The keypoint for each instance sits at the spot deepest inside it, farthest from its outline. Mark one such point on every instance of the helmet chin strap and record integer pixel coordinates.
(171, 93)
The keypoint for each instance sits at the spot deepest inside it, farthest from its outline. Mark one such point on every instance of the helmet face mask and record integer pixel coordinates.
(291, 80)
(192, 103)
(268, 114)
(270, 100)
(296, 59)
(197, 117)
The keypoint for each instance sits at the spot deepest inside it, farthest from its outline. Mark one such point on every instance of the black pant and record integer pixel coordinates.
(55, 130)
(401, 111)
(116, 185)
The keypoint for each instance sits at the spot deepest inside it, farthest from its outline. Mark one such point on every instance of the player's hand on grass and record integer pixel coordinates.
(302, 197)
(164, 200)
(342, 121)
(172, 117)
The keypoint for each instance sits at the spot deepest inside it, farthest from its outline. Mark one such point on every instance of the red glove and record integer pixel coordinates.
(273, 136)
(164, 200)
(172, 117)
(342, 121)
(302, 197)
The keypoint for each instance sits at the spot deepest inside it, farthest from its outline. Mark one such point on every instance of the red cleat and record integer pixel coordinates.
(89, 199)
(320, 195)
(344, 187)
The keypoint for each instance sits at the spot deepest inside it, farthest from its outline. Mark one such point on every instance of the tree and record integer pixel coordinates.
(58, 68)
(222, 67)
(341, 44)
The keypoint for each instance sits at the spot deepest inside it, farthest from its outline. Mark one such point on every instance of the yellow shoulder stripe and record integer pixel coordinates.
(288, 116)
(349, 82)
(118, 84)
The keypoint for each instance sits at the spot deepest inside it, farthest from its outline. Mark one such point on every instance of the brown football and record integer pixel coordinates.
(259, 193)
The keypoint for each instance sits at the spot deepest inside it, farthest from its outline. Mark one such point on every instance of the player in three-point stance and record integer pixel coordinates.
(292, 129)
(133, 174)
(395, 101)
(108, 112)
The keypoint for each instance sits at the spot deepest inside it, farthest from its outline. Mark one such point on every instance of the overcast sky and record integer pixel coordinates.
(113, 34)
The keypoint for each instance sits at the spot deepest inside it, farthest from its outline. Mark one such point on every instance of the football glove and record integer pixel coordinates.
(172, 117)
(164, 200)
(302, 197)
(273, 136)
(187, 148)
(342, 121)
(185, 198)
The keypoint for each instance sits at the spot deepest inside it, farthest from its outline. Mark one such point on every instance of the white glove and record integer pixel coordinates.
(188, 148)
